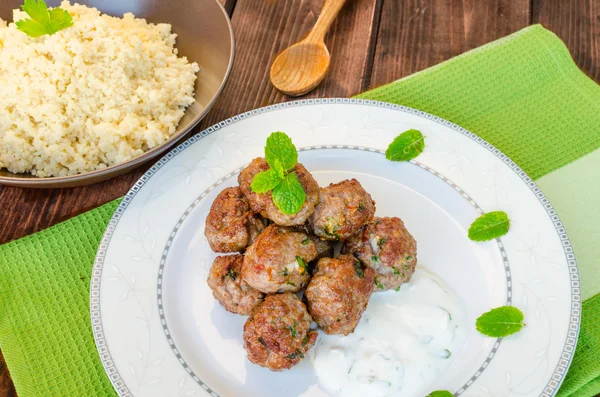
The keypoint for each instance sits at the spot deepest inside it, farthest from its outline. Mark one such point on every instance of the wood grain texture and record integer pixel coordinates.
(7, 389)
(577, 23)
(265, 28)
(417, 34)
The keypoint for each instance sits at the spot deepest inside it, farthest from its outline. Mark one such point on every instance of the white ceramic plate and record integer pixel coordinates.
(159, 331)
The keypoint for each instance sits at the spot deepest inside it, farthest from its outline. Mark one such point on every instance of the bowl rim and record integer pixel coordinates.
(80, 179)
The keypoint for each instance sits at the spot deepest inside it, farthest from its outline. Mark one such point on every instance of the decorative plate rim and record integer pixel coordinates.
(574, 323)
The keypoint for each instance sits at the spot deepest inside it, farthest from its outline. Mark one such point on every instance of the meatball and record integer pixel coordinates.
(230, 225)
(277, 261)
(263, 203)
(343, 208)
(225, 281)
(338, 293)
(277, 335)
(388, 248)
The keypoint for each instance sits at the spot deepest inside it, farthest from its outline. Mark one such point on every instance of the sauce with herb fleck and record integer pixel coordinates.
(404, 341)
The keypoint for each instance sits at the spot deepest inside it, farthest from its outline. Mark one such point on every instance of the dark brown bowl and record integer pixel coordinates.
(204, 36)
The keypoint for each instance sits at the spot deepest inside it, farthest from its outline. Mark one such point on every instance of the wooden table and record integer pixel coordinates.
(372, 42)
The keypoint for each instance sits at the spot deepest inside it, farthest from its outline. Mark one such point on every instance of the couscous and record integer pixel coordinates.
(93, 95)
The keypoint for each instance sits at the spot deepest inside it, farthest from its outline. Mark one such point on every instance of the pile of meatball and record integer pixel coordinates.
(279, 255)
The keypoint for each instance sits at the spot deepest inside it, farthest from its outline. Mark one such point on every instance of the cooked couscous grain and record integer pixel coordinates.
(93, 95)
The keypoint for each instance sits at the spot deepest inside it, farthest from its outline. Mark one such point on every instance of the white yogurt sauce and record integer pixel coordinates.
(403, 342)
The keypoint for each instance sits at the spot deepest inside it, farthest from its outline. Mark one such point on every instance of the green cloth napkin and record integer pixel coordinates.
(522, 93)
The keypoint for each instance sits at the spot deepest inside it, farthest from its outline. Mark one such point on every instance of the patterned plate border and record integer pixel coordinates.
(568, 349)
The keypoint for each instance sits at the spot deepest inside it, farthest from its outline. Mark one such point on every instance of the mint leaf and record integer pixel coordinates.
(280, 147)
(43, 21)
(440, 393)
(500, 322)
(289, 195)
(489, 226)
(406, 146)
(265, 181)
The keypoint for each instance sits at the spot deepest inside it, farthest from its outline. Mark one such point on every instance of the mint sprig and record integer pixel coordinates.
(500, 322)
(440, 393)
(43, 21)
(287, 192)
(406, 146)
(489, 226)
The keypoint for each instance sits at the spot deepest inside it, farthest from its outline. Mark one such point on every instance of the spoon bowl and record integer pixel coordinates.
(300, 68)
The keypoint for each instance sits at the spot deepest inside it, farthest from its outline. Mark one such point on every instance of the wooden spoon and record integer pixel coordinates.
(301, 67)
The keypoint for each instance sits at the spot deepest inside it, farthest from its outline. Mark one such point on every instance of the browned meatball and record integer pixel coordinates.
(225, 281)
(338, 293)
(230, 225)
(388, 248)
(343, 208)
(263, 203)
(277, 335)
(277, 261)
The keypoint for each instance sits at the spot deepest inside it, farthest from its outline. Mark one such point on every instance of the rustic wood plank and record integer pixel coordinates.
(7, 389)
(228, 5)
(577, 23)
(265, 28)
(417, 34)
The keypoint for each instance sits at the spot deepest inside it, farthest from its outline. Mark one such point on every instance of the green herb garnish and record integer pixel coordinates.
(381, 241)
(301, 264)
(293, 330)
(396, 271)
(440, 393)
(377, 283)
(288, 282)
(305, 340)
(375, 259)
(305, 241)
(231, 274)
(409, 257)
(358, 269)
(500, 322)
(294, 355)
(281, 155)
(406, 146)
(397, 289)
(43, 21)
(284, 272)
(361, 206)
(489, 226)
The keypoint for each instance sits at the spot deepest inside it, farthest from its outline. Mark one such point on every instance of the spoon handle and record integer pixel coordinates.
(328, 14)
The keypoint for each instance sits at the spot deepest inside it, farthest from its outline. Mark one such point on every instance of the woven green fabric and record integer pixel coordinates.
(523, 93)
(45, 329)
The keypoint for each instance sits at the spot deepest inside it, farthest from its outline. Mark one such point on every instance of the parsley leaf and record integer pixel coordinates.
(406, 146)
(489, 226)
(301, 264)
(500, 322)
(265, 181)
(377, 283)
(281, 149)
(440, 393)
(231, 274)
(358, 269)
(293, 329)
(289, 195)
(43, 21)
